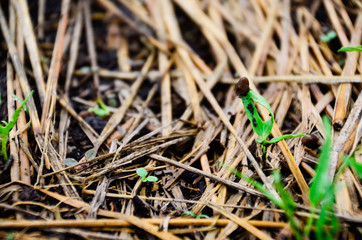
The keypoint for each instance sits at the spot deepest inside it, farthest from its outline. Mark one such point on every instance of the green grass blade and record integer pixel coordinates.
(321, 179)
(286, 136)
(327, 223)
(5, 130)
(349, 49)
(192, 214)
(254, 183)
(351, 162)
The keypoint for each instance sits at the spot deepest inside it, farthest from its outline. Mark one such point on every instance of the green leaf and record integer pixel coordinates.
(202, 216)
(289, 204)
(329, 36)
(18, 99)
(262, 128)
(90, 154)
(254, 183)
(286, 136)
(70, 162)
(141, 172)
(6, 128)
(152, 179)
(321, 180)
(351, 162)
(101, 112)
(327, 223)
(349, 49)
(192, 214)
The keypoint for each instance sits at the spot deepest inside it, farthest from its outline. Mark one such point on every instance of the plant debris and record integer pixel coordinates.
(134, 117)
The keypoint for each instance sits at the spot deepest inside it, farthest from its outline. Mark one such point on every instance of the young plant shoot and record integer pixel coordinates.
(321, 195)
(262, 128)
(143, 174)
(192, 214)
(101, 112)
(350, 49)
(5, 127)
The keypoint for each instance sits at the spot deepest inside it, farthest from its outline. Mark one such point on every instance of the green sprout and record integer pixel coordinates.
(285, 202)
(262, 128)
(101, 112)
(5, 127)
(329, 36)
(192, 214)
(143, 174)
(349, 49)
(321, 195)
(322, 192)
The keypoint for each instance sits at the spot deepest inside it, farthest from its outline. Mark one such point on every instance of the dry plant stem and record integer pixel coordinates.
(24, 161)
(184, 59)
(228, 205)
(68, 188)
(344, 90)
(131, 157)
(108, 223)
(91, 45)
(267, 31)
(41, 14)
(52, 83)
(345, 133)
(202, 173)
(23, 15)
(241, 222)
(283, 57)
(118, 116)
(98, 198)
(64, 117)
(166, 106)
(23, 139)
(301, 79)
(198, 16)
(138, 222)
(15, 171)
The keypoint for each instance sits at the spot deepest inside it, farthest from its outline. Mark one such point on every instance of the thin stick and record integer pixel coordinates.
(345, 89)
(90, 44)
(109, 223)
(23, 14)
(200, 172)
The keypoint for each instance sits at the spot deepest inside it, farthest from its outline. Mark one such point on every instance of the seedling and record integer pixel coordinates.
(143, 174)
(192, 214)
(322, 192)
(321, 195)
(329, 36)
(262, 128)
(5, 127)
(349, 49)
(103, 111)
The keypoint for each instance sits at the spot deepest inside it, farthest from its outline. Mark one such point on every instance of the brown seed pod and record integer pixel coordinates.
(242, 87)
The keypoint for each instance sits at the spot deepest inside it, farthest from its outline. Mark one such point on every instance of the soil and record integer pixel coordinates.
(200, 140)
